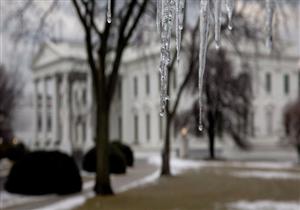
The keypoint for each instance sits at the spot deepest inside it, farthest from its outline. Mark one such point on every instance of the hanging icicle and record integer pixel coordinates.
(217, 7)
(270, 5)
(179, 25)
(168, 15)
(108, 13)
(230, 7)
(204, 29)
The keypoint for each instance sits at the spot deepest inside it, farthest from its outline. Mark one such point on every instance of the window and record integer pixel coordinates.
(136, 129)
(39, 122)
(147, 84)
(148, 127)
(269, 121)
(120, 128)
(49, 123)
(268, 82)
(286, 82)
(135, 86)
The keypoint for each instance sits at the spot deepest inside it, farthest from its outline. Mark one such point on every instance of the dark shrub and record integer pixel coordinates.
(16, 152)
(11, 150)
(117, 161)
(127, 151)
(42, 172)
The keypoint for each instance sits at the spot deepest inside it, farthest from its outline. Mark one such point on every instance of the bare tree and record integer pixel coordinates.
(226, 102)
(104, 45)
(291, 123)
(104, 74)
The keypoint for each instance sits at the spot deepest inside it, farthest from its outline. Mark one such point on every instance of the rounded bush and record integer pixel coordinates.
(41, 172)
(117, 160)
(127, 151)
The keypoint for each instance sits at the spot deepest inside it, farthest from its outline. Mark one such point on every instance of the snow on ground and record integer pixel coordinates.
(266, 175)
(68, 203)
(139, 183)
(264, 205)
(9, 199)
(178, 166)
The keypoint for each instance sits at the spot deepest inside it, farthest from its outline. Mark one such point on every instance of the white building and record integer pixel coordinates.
(63, 103)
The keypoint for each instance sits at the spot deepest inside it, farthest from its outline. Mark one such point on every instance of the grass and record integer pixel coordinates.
(200, 190)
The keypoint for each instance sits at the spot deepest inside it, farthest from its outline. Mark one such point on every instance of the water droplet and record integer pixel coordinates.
(200, 127)
(161, 114)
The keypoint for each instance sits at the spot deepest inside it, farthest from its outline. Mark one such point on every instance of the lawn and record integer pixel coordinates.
(208, 188)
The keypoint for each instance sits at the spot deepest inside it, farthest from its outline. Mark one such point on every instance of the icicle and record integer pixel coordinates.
(179, 25)
(230, 7)
(217, 5)
(108, 14)
(270, 5)
(204, 29)
(168, 15)
(178, 31)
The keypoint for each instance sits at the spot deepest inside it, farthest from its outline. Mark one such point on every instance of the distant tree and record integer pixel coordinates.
(10, 93)
(291, 123)
(226, 103)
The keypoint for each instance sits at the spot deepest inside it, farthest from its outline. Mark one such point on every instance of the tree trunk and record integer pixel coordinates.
(103, 185)
(165, 167)
(211, 135)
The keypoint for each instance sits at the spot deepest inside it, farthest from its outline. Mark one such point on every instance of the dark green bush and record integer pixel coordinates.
(127, 151)
(117, 160)
(41, 172)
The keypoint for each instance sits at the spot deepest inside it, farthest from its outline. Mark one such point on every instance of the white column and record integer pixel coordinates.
(55, 116)
(66, 139)
(44, 110)
(90, 125)
(36, 112)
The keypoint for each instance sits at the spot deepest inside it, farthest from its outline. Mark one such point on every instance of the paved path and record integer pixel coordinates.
(141, 170)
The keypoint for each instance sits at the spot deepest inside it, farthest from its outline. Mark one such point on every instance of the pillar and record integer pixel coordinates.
(66, 138)
(55, 114)
(36, 112)
(44, 110)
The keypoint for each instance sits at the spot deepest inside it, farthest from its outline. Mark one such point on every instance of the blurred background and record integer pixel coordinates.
(48, 107)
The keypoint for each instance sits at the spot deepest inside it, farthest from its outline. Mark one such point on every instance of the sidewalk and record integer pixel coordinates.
(141, 170)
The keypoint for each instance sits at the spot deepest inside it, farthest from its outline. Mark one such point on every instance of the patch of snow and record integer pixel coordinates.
(68, 203)
(9, 199)
(263, 165)
(264, 205)
(139, 183)
(178, 166)
(266, 175)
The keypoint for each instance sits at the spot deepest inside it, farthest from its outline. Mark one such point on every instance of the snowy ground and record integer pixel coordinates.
(266, 175)
(264, 205)
(178, 166)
